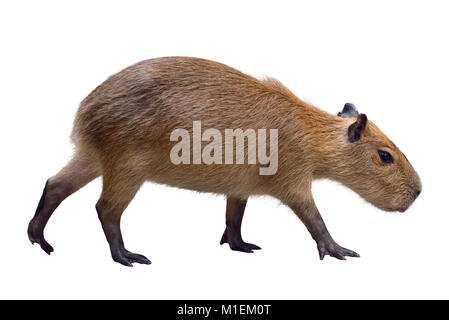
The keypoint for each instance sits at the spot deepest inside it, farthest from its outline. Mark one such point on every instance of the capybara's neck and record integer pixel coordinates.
(312, 140)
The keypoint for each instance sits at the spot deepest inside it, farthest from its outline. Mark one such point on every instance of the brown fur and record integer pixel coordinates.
(124, 128)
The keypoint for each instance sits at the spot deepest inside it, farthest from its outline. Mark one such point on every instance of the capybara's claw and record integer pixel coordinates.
(244, 247)
(238, 244)
(332, 249)
(38, 237)
(137, 258)
(253, 246)
(122, 260)
(46, 246)
(127, 258)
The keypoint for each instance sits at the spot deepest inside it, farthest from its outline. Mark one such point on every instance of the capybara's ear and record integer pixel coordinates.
(349, 111)
(356, 129)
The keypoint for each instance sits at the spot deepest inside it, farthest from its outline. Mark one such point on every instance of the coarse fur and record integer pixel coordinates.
(122, 132)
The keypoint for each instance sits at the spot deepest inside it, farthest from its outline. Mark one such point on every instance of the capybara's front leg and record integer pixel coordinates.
(117, 194)
(235, 209)
(310, 216)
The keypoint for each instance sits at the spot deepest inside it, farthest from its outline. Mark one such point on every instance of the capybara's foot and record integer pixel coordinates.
(236, 243)
(127, 258)
(331, 248)
(36, 235)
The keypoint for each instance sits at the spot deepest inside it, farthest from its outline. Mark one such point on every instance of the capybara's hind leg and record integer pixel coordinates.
(118, 191)
(235, 208)
(77, 173)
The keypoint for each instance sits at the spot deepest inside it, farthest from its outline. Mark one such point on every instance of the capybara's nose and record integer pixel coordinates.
(417, 193)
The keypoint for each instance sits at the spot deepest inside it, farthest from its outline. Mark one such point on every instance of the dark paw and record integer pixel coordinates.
(137, 258)
(332, 249)
(243, 246)
(37, 236)
(127, 258)
(237, 244)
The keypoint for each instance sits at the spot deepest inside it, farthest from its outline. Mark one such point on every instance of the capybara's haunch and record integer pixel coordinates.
(123, 132)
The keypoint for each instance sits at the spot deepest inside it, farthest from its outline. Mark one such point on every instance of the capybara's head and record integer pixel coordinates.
(373, 166)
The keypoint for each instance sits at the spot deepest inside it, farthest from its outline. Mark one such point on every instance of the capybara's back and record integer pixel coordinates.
(201, 125)
(130, 117)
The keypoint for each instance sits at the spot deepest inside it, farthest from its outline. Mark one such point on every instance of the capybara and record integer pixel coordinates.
(123, 131)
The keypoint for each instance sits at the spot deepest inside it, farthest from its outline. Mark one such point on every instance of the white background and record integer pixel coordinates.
(390, 58)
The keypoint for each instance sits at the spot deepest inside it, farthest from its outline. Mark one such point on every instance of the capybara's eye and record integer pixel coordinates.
(385, 156)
